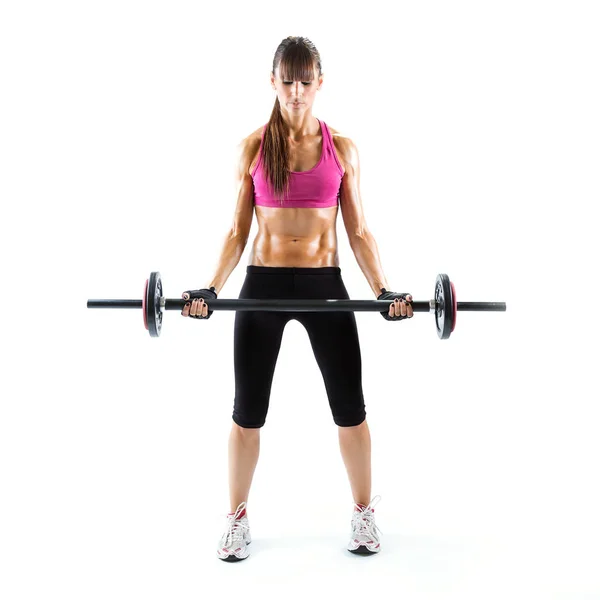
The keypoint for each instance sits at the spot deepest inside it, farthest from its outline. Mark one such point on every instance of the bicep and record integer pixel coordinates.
(244, 186)
(350, 198)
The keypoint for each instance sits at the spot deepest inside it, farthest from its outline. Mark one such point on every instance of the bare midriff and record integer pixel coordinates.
(295, 237)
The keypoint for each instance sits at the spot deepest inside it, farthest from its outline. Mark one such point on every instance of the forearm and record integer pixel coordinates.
(231, 252)
(367, 256)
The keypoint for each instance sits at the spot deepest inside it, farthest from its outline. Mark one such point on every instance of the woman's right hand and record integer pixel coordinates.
(197, 308)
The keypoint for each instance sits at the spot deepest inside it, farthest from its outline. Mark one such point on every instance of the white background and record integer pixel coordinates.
(478, 130)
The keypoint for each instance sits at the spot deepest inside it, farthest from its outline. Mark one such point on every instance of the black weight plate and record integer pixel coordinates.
(153, 309)
(444, 306)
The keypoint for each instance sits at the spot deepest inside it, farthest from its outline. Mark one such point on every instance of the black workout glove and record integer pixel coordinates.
(207, 294)
(390, 296)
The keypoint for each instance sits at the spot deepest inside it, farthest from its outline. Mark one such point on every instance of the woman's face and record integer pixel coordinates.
(296, 96)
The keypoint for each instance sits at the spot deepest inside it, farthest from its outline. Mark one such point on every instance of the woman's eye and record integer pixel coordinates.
(303, 83)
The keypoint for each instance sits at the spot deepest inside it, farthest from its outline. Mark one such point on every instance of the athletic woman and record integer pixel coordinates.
(293, 174)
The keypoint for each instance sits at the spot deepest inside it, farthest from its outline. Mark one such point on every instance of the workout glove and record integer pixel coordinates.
(207, 294)
(390, 296)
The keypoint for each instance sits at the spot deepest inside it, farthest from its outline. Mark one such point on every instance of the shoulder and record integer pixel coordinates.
(345, 147)
(251, 143)
(247, 149)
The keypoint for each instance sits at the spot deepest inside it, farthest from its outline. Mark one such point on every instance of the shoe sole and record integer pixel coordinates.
(363, 551)
(233, 558)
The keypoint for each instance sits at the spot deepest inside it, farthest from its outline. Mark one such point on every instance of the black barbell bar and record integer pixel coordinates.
(297, 305)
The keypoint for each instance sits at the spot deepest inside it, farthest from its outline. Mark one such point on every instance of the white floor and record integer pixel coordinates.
(92, 557)
(414, 567)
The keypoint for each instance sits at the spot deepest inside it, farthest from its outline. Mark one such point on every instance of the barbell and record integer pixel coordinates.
(444, 305)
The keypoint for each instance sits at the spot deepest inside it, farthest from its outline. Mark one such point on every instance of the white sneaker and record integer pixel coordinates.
(365, 534)
(233, 545)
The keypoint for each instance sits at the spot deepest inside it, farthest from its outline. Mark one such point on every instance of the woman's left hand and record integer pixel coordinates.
(400, 308)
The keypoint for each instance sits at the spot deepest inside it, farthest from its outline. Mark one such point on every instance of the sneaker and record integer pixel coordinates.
(233, 545)
(365, 534)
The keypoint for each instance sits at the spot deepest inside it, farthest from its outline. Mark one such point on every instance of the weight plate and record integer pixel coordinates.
(153, 307)
(145, 304)
(443, 306)
(454, 307)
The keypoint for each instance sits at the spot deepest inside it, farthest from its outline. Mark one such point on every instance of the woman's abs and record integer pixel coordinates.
(294, 251)
(292, 237)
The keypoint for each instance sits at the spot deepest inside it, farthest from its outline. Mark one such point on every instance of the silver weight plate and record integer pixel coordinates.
(444, 306)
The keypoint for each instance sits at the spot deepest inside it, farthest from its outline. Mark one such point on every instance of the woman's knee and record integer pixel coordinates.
(348, 414)
(244, 431)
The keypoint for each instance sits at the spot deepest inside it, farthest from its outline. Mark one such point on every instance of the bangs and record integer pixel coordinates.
(297, 64)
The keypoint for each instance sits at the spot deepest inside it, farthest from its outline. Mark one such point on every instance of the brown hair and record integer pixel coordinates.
(296, 58)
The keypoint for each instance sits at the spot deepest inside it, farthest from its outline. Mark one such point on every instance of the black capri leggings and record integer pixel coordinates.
(333, 337)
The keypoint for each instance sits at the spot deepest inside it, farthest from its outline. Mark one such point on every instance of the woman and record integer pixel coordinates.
(293, 172)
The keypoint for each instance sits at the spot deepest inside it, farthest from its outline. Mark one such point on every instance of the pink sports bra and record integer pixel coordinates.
(317, 188)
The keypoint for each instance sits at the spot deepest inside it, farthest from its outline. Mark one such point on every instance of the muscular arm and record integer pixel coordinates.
(237, 236)
(361, 239)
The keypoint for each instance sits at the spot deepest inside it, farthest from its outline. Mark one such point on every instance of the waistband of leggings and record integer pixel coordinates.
(256, 269)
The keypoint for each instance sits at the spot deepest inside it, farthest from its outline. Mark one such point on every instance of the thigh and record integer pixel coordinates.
(256, 344)
(336, 346)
